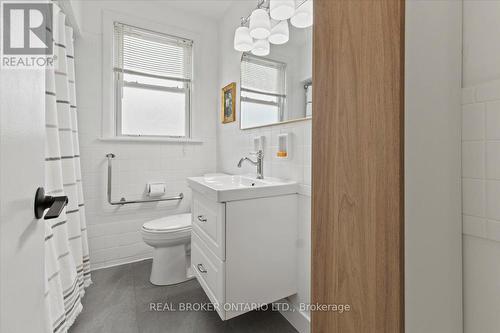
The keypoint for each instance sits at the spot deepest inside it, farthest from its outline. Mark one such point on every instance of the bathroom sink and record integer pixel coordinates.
(222, 188)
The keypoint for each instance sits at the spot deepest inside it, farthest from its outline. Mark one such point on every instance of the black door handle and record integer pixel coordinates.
(55, 204)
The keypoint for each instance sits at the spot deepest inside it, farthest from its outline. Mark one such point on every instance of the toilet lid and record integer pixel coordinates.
(169, 223)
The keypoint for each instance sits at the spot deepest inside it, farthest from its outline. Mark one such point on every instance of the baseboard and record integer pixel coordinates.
(299, 319)
(118, 262)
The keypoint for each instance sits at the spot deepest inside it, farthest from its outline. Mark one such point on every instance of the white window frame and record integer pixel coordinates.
(110, 118)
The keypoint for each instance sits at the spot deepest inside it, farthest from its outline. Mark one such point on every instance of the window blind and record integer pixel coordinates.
(263, 75)
(140, 51)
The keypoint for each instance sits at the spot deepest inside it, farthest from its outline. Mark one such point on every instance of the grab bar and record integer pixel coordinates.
(123, 201)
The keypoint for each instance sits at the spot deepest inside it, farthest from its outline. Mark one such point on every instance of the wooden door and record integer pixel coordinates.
(357, 202)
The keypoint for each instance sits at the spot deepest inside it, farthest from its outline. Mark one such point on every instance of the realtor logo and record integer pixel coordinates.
(27, 31)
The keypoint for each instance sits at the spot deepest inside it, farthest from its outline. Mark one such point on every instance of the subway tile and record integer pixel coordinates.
(114, 228)
(493, 199)
(493, 230)
(298, 155)
(473, 159)
(474, 226)
(493, 160)
(115, 240)
(473, 192)
(99, 256)
(493, 120)
(296, 134)
(488, 91)
(473, 122)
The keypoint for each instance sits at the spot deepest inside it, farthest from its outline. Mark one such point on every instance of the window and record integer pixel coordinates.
(263, 91)
(152, 82)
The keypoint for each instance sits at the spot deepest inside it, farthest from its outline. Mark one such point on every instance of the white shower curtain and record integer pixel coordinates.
(67, 268)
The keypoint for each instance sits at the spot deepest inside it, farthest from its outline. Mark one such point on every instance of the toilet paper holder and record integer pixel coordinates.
(153, 187)
(123, 201)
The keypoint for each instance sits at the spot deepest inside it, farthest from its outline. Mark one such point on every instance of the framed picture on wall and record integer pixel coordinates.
(228, 105)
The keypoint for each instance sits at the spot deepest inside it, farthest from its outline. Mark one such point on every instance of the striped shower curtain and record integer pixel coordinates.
(67, 268)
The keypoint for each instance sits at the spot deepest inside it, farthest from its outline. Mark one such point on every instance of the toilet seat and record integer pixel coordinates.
(168, 224)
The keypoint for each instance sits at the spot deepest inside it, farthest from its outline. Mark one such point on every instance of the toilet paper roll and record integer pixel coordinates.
(156, 189)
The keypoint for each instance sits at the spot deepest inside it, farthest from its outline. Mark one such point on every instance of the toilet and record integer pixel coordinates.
(170, 238)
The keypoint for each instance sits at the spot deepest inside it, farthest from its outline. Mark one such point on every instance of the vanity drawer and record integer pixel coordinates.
(209, 222)
(208, 269)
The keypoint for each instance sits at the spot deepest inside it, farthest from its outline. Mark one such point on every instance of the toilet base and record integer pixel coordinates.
(170, 265)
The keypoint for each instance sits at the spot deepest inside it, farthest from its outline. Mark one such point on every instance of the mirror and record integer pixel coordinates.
(277, 88)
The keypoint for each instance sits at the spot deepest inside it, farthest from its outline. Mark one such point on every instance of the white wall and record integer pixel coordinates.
(233, 143)
(480, 46)
(114, 235)
(481, 165)
(433, 272)
(481, 206)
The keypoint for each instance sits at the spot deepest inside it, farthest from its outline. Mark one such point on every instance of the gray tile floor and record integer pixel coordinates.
(119, 302)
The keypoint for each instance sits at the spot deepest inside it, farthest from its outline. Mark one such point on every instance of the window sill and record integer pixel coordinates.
(151, 139)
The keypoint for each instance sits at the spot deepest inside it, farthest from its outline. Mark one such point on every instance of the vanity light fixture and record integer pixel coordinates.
(255, 32)
(303, 17)
(260, 24)
(261, 47)
(281, 9)
(279, 33)
(243, 42)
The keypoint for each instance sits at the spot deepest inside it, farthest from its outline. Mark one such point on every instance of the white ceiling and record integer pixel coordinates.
(213, 9)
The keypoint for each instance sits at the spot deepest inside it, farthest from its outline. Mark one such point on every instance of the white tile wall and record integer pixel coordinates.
(473, 197)
(473, 159)
(474, 226)
(481, 241)
(481, 160)
(234, 143)
(473, 121)
(493, 165)
(493, 120)
(114, 232)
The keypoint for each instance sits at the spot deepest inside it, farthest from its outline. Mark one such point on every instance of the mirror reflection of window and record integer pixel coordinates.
(276, 88)
(263, 91)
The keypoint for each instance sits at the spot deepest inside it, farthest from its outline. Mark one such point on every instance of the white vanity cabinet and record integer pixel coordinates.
(243, 252)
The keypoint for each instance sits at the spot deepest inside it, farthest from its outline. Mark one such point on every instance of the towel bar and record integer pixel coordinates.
(123, 201)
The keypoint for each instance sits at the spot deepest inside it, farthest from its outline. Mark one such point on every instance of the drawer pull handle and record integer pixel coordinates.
(201, 218)
(201, 268)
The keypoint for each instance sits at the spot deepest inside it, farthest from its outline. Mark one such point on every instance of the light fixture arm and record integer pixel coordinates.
(245, 21)
(263, 4)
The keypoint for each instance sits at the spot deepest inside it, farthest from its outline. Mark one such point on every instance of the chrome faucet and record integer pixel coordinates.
(259, 163)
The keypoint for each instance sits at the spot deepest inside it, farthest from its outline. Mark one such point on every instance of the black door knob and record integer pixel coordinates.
(55, 204)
